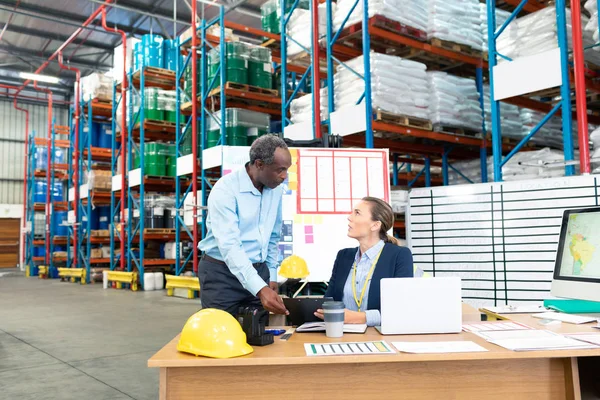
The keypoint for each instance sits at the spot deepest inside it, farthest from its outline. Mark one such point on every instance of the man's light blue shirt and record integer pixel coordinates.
(243, 228)
(363, 265)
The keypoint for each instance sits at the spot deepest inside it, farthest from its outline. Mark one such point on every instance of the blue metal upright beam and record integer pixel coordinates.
(565, 90)
(495, 105)
(369, 142)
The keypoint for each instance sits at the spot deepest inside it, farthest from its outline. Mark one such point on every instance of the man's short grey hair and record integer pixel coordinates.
(264, 148)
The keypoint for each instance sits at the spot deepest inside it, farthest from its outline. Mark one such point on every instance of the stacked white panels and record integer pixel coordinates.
(398, 86)
(457, 21)
(301, 109)
(412, 13)
(454, 101)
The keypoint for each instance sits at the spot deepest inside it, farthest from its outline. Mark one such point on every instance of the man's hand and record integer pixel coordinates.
(274, 286)
(271, 301)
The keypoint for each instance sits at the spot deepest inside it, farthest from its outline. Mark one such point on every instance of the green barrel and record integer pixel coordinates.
(168, 99)
(135, 159)
(186, 144)
(236, 63)
(171, 160)
(151, 106)
(259, 67)
(242, 127)
(155, 159)
(187, 82)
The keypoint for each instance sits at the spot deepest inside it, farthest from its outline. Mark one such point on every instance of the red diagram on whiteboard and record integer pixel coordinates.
(332, 181)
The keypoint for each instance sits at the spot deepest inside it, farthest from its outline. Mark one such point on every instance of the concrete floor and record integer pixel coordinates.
(62, 340)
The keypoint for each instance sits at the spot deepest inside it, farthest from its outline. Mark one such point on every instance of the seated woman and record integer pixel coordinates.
(357, 272)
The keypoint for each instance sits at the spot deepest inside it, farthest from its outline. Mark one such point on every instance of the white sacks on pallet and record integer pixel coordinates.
(398, 86)
(454, 101)
(550, 134)
(96, 86)
(301, 109)
(532, 34)
(456, 21)
(522, 166)
(510, 117)
(501, 17)
(299, 29)
(412, 13)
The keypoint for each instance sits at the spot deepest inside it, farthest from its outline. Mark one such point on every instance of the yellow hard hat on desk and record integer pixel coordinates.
(294, 267)
(213, 333)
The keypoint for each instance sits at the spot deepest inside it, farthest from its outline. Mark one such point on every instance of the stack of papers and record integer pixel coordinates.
(514, 309)
(588, 337)
(528, 340)
(320, 327)
(438, 347)
(569, 318)
(494, 326)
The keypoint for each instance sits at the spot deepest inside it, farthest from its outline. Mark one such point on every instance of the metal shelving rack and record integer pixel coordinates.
(565, 89)
(30, 210)
(192, 187)
(141, 129)
(201, 113)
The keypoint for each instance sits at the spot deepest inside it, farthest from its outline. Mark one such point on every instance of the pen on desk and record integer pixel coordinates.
(275, 332)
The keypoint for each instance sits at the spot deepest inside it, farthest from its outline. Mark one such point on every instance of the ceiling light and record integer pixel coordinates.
(39, 78)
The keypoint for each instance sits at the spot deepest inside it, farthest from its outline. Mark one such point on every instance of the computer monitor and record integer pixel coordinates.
(577, 268)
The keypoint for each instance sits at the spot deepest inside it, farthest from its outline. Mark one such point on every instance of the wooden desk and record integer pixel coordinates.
(283, 371)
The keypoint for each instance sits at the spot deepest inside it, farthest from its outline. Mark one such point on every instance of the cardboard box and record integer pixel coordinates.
(96, 253)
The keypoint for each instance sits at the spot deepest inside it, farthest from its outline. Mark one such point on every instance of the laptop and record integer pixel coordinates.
(411, 306)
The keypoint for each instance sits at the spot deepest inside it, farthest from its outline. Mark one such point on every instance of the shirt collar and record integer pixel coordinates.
(246, 184)
(372, 252)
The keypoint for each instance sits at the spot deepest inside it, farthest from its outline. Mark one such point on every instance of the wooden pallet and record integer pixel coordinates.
(379, 21)
(102, 100)
(456, 47)
(453, 130)
(247, 88)
(157, 126)
(158, 77)
(403, 120)
(159, 231)
(100, 233)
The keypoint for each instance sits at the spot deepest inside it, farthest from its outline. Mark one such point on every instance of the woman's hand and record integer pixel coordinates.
(350, 317)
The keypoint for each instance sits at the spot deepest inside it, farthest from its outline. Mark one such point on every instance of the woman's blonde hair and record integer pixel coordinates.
(382, 212)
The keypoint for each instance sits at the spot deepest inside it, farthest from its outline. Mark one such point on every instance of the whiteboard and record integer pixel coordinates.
(500, 238)
(322, 187)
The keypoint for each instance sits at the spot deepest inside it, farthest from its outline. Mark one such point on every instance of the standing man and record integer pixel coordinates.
(239, 265)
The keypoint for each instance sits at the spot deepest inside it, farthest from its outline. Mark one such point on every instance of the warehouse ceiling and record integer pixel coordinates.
(32, 30)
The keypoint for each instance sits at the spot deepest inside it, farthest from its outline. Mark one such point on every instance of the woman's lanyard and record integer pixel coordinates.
(364, 289)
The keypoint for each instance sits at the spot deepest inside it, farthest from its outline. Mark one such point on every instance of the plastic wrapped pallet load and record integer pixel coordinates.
(510, 117)
(550, 134)
(501, 17)
(398, 86)
(300, 32)
(457, 21)
(522, 166)
(301, 109)
(412, 13)
(97, 86)
(454, 101)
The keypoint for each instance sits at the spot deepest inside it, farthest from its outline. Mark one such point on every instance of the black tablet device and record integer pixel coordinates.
(303, 309)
